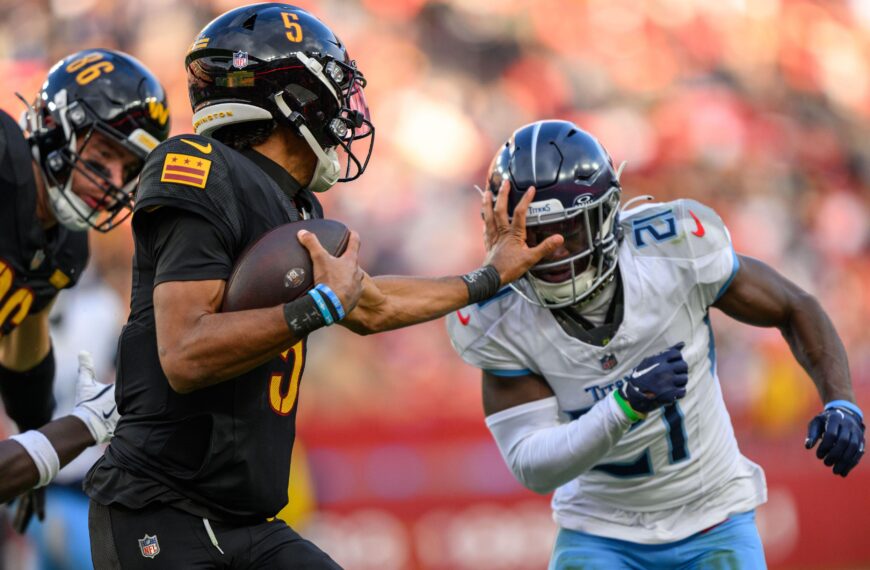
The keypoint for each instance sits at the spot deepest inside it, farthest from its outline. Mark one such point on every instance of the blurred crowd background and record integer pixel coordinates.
(758, 108)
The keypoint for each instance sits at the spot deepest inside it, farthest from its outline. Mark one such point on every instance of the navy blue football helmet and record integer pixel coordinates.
(577, 196)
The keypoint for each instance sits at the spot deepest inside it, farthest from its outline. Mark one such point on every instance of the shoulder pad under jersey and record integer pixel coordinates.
(194, 173)
(689, 234)
(478, 337)
(684, 229)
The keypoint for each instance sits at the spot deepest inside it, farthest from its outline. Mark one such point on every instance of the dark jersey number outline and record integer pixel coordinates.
(678, 445)
(14, 307)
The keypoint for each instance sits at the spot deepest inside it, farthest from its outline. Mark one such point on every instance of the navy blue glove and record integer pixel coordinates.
(841, 428)
(657, 381)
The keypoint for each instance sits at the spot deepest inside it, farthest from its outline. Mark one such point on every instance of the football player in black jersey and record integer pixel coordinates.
(199, 463)
(72, 167)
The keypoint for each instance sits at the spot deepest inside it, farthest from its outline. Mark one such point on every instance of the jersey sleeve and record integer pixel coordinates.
(714, 260)
(185, 246)
(478, 344)
(191, 173)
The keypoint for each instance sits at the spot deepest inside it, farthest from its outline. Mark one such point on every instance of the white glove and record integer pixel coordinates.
(95, 401)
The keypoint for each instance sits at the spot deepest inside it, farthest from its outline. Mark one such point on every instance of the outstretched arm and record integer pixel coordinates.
(33, 458)
(391, 302)
(760, 296)
(18, 472)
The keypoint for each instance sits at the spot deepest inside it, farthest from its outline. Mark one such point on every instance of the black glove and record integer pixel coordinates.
(30, 503)
(657, 381)
(840, 427)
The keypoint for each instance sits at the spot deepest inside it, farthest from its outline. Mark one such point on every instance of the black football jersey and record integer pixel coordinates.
(222, 452)
(35, 263)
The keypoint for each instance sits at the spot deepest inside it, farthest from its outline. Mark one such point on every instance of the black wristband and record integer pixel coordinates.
(302, 316)
(28, 395)
(482, 283)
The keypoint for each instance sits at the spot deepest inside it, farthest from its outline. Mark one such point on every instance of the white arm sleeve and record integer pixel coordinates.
(544, 453)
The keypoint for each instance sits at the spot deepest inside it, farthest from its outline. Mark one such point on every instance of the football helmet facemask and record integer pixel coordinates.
(577, 196)
(278, 62)
(89, 92)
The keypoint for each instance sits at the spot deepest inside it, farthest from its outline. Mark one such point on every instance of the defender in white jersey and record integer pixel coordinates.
(599, 367)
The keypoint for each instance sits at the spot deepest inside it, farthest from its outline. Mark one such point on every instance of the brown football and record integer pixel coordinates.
(276, 268)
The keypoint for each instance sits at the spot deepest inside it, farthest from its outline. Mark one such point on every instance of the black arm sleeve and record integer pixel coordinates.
(28, 395)
(185, 246)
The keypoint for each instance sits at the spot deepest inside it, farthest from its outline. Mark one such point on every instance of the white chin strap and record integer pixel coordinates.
(566, 292)
(65, 206)
(327, 170)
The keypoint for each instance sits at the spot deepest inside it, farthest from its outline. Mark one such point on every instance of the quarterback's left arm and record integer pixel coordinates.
(760, 296)
(392, 302)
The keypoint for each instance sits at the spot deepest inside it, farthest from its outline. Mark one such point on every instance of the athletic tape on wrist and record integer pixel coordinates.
(303, 316)
(42, 453)
(332, 298)
(482, 283)
(847, 405)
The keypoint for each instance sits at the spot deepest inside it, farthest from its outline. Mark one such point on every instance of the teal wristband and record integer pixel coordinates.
(321, 306)
(333, 298)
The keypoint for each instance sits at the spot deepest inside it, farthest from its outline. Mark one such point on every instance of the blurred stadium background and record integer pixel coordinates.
(757, 107)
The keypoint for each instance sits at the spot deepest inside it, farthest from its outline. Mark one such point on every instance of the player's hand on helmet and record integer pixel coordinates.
(657, 381)
(840, 428)
(95, 401)
(505, 239)
(342, 274)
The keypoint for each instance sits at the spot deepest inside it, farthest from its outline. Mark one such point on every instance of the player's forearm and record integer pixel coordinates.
(392, 302)
(220, 346)
(543, 453)
(814, 341)
(18, 472)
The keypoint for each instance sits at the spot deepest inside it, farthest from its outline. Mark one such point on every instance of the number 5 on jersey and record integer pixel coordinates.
(281, 399)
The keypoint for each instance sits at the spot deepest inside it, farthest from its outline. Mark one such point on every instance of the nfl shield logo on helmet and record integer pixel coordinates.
(240, 59)
(149, 546)
(608, 361)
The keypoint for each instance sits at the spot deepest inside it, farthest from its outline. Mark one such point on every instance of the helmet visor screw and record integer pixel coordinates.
(338, 128)
(335, 72)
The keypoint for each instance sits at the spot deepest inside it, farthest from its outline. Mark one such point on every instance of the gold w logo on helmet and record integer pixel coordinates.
(158, 112)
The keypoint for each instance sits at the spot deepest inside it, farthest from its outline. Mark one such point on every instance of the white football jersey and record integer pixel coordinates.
(680, 470)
